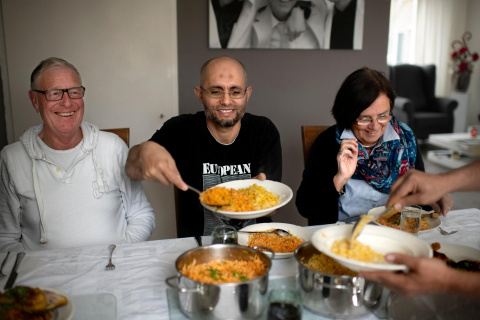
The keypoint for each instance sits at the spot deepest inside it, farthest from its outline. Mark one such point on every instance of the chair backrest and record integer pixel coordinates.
(309, 134)
(123, 133)
(416, 83)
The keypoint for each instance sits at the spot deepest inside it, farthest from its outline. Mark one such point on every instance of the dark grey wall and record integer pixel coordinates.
(291, 87)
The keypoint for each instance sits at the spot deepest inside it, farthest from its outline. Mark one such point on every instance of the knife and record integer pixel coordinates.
(13, 275)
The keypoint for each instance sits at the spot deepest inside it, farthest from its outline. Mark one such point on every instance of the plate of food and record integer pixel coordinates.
(30, 302)
(248, 199)
(284, 247)
(368, 251)
(430, 220)
(457, 256)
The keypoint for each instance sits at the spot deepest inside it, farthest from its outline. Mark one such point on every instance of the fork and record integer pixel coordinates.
(446, 233)
(3, 263)
(110, 265)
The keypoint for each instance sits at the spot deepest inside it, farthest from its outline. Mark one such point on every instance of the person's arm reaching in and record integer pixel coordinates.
(426, 276)
(417, 187)
(150, 161)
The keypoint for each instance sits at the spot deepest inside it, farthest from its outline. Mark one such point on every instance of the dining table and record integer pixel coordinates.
(136, 288)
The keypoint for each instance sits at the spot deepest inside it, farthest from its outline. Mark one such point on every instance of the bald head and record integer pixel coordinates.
(221, 60)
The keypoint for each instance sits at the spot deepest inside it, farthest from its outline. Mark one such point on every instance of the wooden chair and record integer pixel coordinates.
(123, 133)
(309, 134)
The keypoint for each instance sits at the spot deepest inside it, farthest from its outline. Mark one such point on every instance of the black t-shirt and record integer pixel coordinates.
(204, 163)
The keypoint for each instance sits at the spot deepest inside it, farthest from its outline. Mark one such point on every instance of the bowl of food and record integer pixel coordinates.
(372, 244)
(332, 290)
(284, 247)
(430, 220)
(250, 198)
(222, 281)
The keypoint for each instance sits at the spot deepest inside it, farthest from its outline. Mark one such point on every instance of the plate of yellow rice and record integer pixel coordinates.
(252, 198)
(370, 247)
(284, 247)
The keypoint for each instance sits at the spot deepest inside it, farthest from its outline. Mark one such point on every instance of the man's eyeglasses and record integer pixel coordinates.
(383, 118)
(218, 94)
(57, 94)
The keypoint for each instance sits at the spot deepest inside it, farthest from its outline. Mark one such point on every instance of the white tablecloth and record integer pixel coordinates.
(138, 281)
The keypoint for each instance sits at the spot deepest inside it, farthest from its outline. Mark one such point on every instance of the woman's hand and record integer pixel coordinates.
(346, 162)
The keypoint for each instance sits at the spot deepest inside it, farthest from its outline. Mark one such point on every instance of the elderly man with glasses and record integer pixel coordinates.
(64, 183)
(353, 164)
(219, 144)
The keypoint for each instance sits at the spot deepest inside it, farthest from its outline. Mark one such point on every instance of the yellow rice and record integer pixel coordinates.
(359, 252)
(247, 199)
(325, 264)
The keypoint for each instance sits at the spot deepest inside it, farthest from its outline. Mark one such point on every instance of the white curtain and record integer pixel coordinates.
(438, 23)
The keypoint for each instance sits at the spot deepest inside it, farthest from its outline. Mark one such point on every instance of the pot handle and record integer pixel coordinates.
(331, 286)
(266, 248)
(169, 280)
(356, 286)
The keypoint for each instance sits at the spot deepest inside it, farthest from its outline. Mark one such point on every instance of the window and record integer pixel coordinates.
(402, 31)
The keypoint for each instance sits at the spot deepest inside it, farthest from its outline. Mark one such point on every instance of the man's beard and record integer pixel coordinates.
(210, 114)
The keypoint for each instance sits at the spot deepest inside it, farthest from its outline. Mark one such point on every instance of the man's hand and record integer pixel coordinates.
(150, 161)
(296, 24)
(261, 176)
(443, 205)
(425, 276)
(416, 187)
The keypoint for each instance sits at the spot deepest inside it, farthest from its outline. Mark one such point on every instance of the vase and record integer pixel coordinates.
(461, 81)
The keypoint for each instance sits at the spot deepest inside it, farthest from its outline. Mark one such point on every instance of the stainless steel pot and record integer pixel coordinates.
(198, 300)
(344, 297)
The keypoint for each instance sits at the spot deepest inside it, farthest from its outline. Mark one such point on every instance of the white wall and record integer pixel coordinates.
(126, 52)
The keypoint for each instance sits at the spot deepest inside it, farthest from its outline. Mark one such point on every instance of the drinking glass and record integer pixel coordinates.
(224, 234)
(284, 304)
(411, 218)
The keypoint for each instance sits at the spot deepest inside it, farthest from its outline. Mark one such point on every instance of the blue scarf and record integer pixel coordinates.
(387, 162)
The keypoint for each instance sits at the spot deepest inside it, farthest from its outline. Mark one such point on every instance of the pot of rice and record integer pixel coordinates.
(222, 281)
(330, 289)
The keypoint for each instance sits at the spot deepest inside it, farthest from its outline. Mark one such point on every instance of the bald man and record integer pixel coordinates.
(219, 144)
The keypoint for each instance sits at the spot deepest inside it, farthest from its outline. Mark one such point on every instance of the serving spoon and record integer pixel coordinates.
(223, 202)
(280, 232)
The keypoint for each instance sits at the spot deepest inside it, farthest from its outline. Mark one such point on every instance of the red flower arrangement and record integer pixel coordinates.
(461, 56)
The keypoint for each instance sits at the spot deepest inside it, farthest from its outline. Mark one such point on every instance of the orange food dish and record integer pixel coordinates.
(246, 199)
(275, 242)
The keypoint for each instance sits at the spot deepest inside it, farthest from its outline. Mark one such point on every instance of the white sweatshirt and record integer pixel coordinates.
(91, 203)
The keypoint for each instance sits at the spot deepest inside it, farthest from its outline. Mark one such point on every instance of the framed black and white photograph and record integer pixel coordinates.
(286, 24)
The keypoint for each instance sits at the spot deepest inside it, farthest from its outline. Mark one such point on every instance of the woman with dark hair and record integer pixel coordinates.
(353, 164)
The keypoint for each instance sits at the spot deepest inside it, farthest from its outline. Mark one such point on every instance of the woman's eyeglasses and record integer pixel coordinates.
(382, 119)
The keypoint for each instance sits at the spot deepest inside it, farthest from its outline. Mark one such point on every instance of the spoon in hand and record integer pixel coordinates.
(216, 197)
(280, 232)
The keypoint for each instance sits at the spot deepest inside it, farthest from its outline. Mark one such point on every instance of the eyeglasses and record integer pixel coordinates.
(219, 94)
(57, 94)
(383, 118)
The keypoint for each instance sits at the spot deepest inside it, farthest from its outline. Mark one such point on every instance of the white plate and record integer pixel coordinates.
(380, 239)
(457, 252)
(64, 312)
(283, 192)
(303, 233)
(376, 212)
